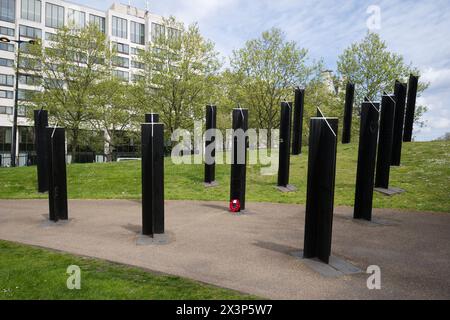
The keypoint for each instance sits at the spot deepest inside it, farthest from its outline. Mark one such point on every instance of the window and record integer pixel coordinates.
(5, 133)
(78, 18)
(54, 15)
(77, 56)
(137, 32)
(122, 75)
(6, 62)
(29, 64)
(121, 47)
(5, 94)
(50, 36)
(98, 60)
(6, 80)
(119, 27)
(29, 79)
(30, 32)
(25, 47)
(25, 95)
(173, 34)
(50, 83)
(26, 139)
(157, 31)
(99, 21)
(7, 47)
(54, 67)
(136, 64)
(136, 51)
(6, 110)
(21, 110)
(31, 10)
(137, 77)
(121, 62)
(8, 10)
(7, 31)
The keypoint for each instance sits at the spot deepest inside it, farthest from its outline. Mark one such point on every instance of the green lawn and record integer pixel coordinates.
(34, 273)
(425, 174)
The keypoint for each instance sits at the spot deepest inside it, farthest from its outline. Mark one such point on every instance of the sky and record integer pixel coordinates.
(418, 30)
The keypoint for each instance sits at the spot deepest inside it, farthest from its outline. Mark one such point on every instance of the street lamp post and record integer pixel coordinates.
(16, 98)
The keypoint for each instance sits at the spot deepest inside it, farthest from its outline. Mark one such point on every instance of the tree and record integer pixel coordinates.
(265, 72)
(373, 70)
(321, 94)
(178, 77)
(68, 71)
(112, 113)
(445, 137)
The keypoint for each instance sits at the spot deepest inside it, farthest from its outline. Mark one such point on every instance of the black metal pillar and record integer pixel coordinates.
(318, 113)
(399, 119)
(151, 117)
(57, 179)
(285, 144)
(385, 141)
(348, 112)
(152, 137)
(410, 108)
(239, 157)
(320, 188)
(210, 142)
(40, 145)
(299, 104)
(368, 135)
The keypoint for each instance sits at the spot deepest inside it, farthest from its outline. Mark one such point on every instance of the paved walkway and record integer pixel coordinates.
(252, 252)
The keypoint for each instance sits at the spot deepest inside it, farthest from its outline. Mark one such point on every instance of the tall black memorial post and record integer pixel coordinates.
(368, 136)
(57, 179)
(40, 123)
(410, 108)
(210, 145)
(285, 145)
(320, 188)
(297, 127)
(152, 139)
(385, 141)
(348, 112)
(239, 156)
(399, 119)
(151, 117)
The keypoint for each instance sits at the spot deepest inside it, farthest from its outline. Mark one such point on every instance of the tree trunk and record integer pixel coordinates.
(74, 144)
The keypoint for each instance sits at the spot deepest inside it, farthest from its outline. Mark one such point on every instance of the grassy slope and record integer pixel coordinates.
(424, 173)
(33, 273)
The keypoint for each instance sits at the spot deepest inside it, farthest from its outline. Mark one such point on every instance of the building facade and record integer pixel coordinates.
(128, 28)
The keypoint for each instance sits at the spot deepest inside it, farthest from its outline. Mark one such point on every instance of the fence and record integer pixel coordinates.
(25, 159)
(29, 159)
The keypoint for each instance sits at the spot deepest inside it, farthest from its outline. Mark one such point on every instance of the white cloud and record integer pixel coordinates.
(438, 78)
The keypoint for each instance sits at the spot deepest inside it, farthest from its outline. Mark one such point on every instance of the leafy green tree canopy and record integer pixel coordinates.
(265, 72)
(178, 79)
(68, 69)
(373, 69)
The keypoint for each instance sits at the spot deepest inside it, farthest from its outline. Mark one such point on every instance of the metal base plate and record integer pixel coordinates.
(157, 239)
(389, 192)
(240, 213)
(49, 223)
(288, 188)
(337, 267)
(211, 185)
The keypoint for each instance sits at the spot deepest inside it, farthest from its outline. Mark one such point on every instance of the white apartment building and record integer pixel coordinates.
(127, 27)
